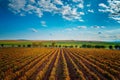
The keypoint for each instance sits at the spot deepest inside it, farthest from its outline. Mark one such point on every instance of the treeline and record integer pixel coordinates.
(101, 46)
(53, 44)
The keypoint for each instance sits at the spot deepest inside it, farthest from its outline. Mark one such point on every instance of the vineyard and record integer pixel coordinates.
(59, 64)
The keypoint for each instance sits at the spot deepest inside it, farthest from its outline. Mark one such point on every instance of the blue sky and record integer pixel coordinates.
(60, 19)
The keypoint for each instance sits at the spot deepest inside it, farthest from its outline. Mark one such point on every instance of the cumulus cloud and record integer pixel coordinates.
(69, 13)
(77, 1)
(17, 5)
(58, 2)
(43, 23)
(91, 11)
(85, 28)
(39, 7)
(32, 1)
(103, 5)
(34, 30)
(113, 8)
(88, 5)
(81, 27)
(68, 29)
(98, 27)
(113, 34)
(80, 5)
(76, 28)
(110, 37)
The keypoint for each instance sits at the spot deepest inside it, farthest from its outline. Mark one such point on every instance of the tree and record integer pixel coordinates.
(84, 46)
(110, 47)
(102, 46)
(2, 45)
(18, 45)
(66, 46)
(88, 46)
(28, 45)
(53, 44)
(45, 45)
(35, 44)
(71, 46)
(97, 46)
(56, 46)
(117, 47)
(59, 46)
(23, 45)
(76, 46)
(40, 44)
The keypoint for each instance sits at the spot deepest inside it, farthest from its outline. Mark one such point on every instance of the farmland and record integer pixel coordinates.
(59, 64)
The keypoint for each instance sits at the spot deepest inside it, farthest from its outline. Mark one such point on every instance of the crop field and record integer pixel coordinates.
(59, 64)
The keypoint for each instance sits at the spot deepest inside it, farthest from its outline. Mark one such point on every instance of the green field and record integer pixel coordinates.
(62, 43)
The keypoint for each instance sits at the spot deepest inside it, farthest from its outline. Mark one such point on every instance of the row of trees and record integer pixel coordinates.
(53, 44)
(15, 45)
(114, 47)
(101, 46)
(92, 46)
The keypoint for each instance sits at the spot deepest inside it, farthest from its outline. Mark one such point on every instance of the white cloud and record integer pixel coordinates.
(68, 29)
(103, 5)
(22, 7)
(91, 11)
(80, 5)
(113, 34)
(116, 18)
(110, 37)
(71, 13)
(81, 13)
(81, 27)
(113, 9)
(103, 27)
(76, 28)
(67, 11)
(77, 1)
(81, 20)
(59, 2)
(32, 1)
(98, 27)
(88, 5)
(34, 30)
(43, 23)
(113, 31)
(47, 6)
(38, 12)
(17, 5)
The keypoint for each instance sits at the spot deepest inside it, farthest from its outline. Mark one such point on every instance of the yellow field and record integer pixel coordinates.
(59, 64)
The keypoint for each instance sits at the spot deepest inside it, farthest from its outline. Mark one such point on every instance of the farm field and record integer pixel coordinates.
(59, 64)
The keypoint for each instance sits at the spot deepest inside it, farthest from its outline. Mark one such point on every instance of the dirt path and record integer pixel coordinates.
(71, 68)
(60, 66)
